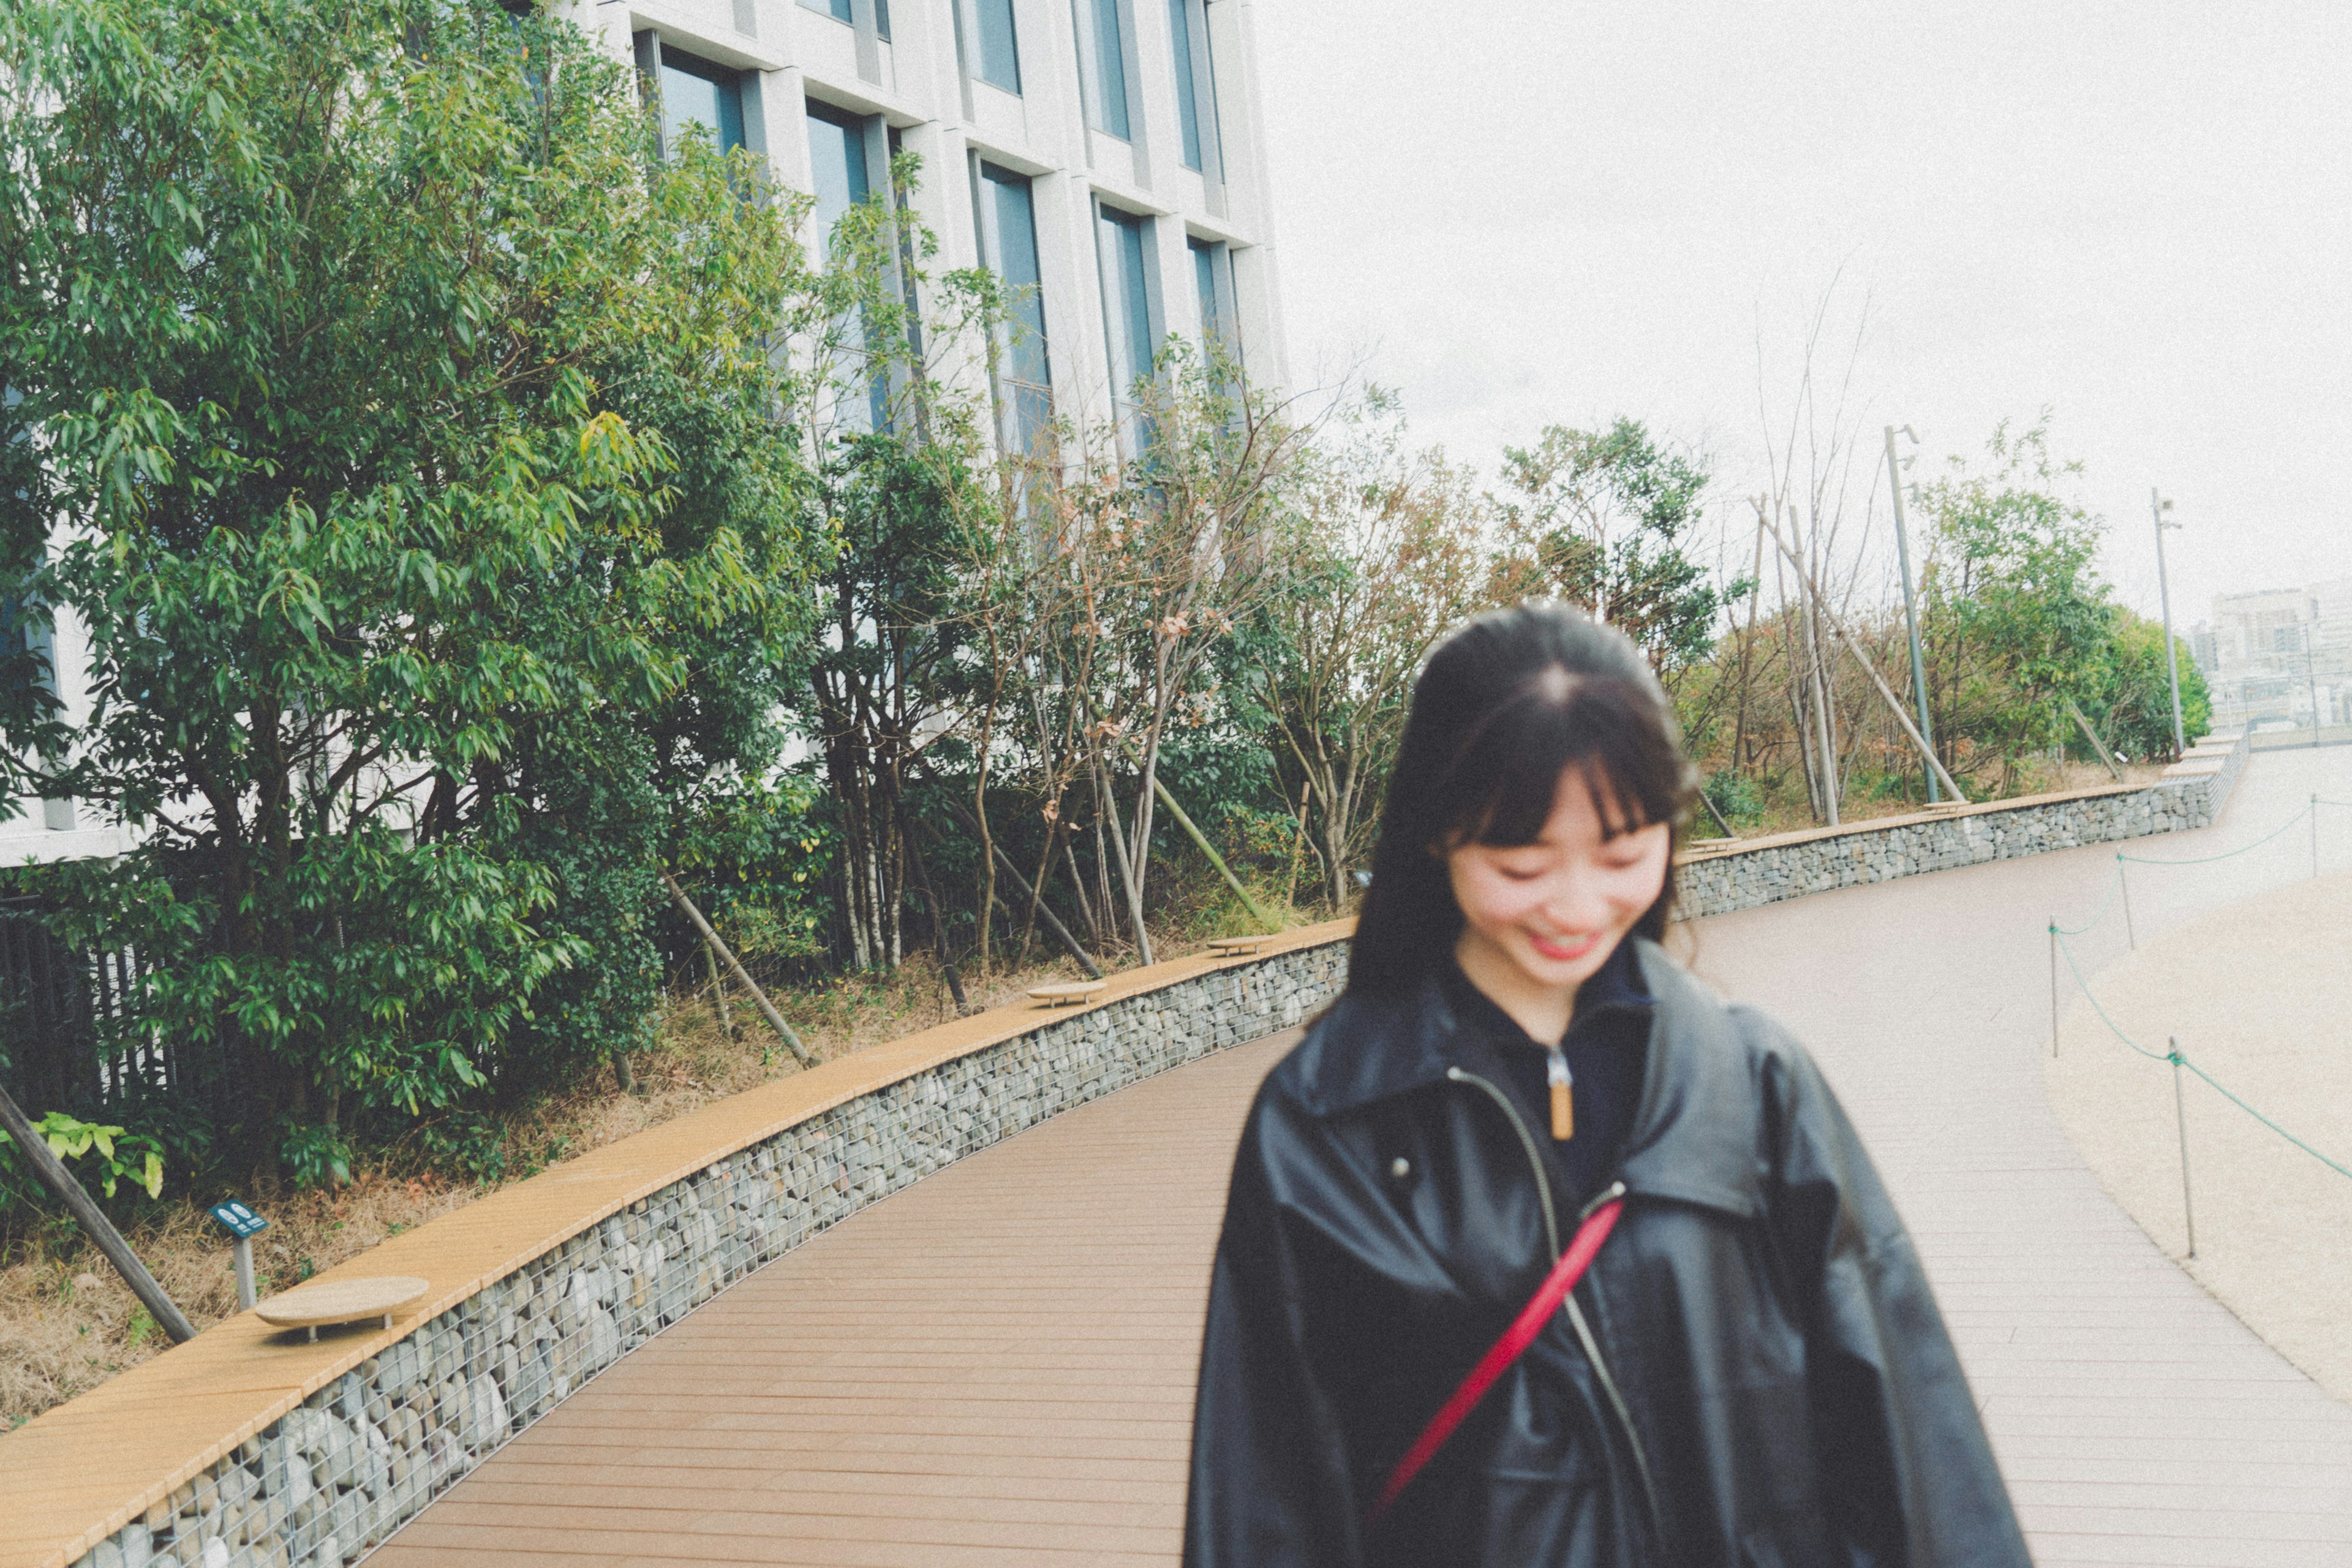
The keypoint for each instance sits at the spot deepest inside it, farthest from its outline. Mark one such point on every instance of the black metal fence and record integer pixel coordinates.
(63, 1015)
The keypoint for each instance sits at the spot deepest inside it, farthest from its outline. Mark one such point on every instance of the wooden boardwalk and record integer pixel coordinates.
(995, 1367)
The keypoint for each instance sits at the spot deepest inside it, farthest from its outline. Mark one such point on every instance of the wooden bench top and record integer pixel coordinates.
(342, 1301)
(1061, 995)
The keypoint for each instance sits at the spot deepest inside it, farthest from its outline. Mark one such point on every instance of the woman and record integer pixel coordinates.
(1751, 1372)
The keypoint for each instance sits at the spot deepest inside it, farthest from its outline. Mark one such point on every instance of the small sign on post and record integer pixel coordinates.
(242, 1226)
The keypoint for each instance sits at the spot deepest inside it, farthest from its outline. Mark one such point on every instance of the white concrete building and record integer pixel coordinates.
(1104, 157)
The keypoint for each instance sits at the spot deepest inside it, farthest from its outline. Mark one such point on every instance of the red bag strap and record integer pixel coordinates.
(1581, 1250)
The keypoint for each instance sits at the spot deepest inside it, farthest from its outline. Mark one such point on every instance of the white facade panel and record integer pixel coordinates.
(926, 80)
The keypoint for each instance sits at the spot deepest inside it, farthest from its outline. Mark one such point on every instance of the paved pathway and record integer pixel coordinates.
(996, 1366)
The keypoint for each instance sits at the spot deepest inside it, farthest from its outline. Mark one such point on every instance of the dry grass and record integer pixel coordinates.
(67, 1323)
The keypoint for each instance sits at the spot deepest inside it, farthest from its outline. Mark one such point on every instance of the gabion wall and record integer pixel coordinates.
(1743, 880)
(329, 1483)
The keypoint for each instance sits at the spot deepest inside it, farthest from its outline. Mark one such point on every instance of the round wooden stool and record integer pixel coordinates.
(314, 1307)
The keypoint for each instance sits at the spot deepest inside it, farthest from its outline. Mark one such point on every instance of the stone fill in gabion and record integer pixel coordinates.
(326, 1484)
(1745, 879)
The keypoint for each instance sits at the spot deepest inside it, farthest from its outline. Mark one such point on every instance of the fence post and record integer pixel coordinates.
(2180, 1121)
(2131, 933)
(2053, 986)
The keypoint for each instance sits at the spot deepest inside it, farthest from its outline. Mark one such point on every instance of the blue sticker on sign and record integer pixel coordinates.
(237, 1220)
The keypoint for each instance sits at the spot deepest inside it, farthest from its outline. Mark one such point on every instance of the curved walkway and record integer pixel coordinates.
(996, 1366)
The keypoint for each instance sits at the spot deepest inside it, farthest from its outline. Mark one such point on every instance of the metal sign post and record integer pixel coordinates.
(2181, 1120)
(2159, 506)
(2053, 986)
(242, 1224)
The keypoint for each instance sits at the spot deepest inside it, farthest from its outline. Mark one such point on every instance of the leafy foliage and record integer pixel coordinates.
(413, 441)
(1601, 519)
(115, 1157)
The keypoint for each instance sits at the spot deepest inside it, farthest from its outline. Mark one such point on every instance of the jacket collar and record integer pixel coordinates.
(1693, 1138)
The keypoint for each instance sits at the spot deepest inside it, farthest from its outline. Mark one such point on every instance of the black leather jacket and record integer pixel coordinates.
(1766, 1382)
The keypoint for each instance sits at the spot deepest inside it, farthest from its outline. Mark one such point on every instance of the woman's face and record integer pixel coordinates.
(1547, 915)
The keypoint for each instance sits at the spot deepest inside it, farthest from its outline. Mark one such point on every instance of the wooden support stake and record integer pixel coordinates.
(1202, 843)
(717, 990)
(2099, 747)
(1004, 862)
(760, 997)
(59, 1180)
(1805, 581)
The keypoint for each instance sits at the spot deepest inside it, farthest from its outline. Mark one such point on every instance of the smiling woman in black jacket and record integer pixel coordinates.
(1752, 1372)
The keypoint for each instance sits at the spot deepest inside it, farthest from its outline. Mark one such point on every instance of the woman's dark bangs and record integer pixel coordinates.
(1595, 727)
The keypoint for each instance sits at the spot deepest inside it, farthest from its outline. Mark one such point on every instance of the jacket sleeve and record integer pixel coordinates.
(1269, 1477)
(1907, 1474)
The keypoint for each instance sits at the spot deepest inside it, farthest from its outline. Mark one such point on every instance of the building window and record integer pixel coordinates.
(699, 95)
(1213, 281)
(1121, 243)
(1008, 248)
(1109, 68)
(836, 162)
(840, 10)
(1196, 97)
(1000, 52)
(839, 172)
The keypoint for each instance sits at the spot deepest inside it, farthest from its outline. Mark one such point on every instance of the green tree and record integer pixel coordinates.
(2020, 621)
(1601, 519)
(413, 445)
(2134, 702)
(1396, 550)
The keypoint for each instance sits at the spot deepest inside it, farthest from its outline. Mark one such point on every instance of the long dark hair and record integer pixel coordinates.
(1502, 709)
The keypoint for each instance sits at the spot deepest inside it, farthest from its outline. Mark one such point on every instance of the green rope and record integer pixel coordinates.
(2095, 920)
(2209, 859)
(2091, 997)
(2181, 1057)
(2258, 1116)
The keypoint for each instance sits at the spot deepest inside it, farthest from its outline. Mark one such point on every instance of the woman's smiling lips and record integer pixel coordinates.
(1565, 949)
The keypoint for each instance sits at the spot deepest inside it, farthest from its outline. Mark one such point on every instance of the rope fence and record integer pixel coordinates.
(2120, 891)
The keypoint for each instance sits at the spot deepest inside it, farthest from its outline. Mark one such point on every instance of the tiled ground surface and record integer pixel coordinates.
(995, 1367)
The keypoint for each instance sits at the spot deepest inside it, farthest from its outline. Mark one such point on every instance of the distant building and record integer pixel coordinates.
(2279, 657)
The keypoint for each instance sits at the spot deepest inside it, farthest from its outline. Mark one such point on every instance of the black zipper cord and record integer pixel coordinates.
(1583, 1330)
(1527, 1142)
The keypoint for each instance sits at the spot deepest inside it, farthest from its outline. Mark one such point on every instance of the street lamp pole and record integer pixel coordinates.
(2311, 675)
(1910, 607)
(2159, 506)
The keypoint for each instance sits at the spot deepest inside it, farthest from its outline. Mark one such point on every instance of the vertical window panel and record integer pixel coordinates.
(1009, 249)
(1188, 94)
(696, 94)
(1120, 240)
(1000, 52)
(1110, 69)
(839, 10)
(1204, 283)
(836, 164)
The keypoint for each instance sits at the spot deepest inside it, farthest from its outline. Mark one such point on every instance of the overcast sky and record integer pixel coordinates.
(2138, 215)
